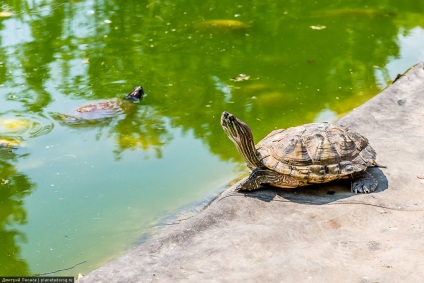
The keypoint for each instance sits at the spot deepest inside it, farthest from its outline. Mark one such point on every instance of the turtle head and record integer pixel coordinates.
(241, 135)
(235, 129)
(136, 94)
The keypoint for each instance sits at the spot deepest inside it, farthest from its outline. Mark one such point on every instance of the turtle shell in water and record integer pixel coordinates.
(307, 154)
(104, 109)
(98, 111)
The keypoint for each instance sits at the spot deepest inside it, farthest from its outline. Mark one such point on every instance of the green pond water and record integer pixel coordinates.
(79, 193)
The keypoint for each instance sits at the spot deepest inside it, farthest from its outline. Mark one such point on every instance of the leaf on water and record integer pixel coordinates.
(241, 77)
(5, 14)
(224, 24)
(318, 27)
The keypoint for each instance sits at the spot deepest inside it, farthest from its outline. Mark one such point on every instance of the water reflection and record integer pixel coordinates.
(14, 187)
(57, 55)
(140, 128)
(21, 126)
(143, 130)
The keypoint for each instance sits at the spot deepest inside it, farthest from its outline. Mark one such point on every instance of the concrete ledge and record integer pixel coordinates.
(316, 234)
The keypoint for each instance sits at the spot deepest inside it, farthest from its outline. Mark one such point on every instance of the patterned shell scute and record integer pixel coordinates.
(318, 152)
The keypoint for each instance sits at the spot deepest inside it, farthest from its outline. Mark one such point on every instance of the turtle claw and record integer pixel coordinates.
(361, 189)
(363, 182)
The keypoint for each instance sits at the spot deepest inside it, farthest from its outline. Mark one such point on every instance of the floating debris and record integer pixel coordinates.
(240, 78)
(5, 14)
(318, 27)
(224, 25)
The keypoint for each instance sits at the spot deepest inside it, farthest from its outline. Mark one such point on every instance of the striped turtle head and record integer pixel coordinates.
(236, 130)
(241, 135)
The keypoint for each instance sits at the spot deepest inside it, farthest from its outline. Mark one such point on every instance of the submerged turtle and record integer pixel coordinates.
(299, 156)
(108, 108)
(97, 111)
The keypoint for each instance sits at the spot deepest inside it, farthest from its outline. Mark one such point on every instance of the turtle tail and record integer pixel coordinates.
(375, 164)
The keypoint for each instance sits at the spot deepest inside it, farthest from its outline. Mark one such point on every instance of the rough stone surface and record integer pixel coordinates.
(313, 234)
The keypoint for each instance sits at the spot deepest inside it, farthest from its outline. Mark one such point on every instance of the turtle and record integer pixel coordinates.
(101, 110)
(109, 107)
(304, 155)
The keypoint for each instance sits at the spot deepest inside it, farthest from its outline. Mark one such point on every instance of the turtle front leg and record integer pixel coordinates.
(262, 175)
(363, 182)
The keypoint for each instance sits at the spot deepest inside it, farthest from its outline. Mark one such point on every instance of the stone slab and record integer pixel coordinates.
(315, 234)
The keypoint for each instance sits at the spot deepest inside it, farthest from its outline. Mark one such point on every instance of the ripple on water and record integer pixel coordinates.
(21, 128)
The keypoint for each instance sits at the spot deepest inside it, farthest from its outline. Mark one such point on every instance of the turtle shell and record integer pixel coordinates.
(317, 152)
(100, 109)
(109, 108)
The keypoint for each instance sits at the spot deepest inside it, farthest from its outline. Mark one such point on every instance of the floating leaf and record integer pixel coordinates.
(318, 27)
(224, 24)
(5, 14)
(241, 77)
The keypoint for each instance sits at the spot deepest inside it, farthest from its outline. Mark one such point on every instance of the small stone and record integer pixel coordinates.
(401, 102)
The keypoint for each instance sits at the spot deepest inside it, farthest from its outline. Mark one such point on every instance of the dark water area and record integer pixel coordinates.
(86, 190)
